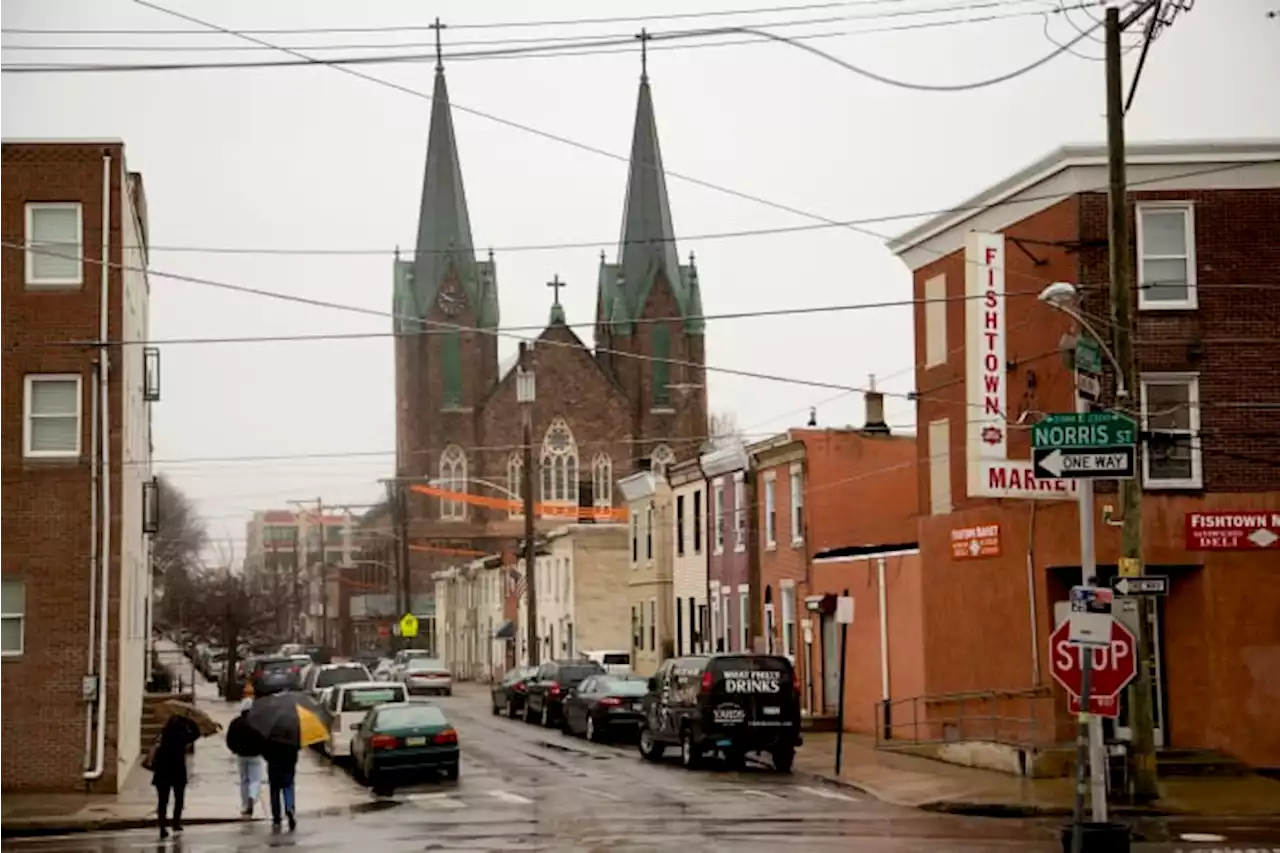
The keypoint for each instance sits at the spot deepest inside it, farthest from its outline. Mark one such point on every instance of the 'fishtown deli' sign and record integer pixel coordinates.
(991, 473)
(1232, 530)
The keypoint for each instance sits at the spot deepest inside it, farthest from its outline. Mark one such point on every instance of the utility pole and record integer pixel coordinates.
(402, 549)
(525, 394)
(324, 578)
(295, 595)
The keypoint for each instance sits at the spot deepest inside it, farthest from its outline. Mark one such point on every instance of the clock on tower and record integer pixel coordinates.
(450, 301)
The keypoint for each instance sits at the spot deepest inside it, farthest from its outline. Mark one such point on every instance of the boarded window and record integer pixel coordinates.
(935, 321)
(661, 366)
(940, 467)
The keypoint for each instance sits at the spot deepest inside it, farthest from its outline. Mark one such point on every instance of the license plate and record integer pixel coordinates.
(415, 741)
(354, 726)
(636, 706)
(772, 711)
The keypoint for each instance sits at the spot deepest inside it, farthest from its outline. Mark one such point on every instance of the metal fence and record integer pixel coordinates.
(1025, 717)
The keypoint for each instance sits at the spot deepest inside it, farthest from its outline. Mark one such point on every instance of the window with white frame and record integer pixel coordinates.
(935, 321)
(770, 512)
(635, 537)
(715, 619)
(453, 478)
(51, 416)
(648, 532)
(602, 480)
(653, 624)
(718, 517)
(789, 620)
(559, 465)
(1166, 256)
(54, 244)
(797, 504)
(727, 622)
(739, 512)
(12, 616)
(744, 620)
(515, 484)
(1171, 419)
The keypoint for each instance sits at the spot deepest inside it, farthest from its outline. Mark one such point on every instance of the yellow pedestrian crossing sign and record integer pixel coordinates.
(408, 625)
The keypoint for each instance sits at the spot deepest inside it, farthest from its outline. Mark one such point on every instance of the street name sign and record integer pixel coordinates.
(1141, 585)
(1093, 430)
(1108, 463)
(1088, 355)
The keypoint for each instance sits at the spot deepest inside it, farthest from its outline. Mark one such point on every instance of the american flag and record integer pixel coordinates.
(515, 582)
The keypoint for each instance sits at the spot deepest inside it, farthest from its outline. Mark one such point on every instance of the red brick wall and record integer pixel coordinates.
(46, 503)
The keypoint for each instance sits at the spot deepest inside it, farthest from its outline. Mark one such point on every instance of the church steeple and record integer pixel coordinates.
(647, 246)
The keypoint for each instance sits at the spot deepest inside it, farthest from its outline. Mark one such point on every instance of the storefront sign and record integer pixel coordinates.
(1233, 530)
(975, 543)
(991, 473)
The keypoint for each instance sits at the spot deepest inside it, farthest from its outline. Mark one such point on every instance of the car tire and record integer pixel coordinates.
(650, 749)
(690, 757)
(590, 731)
(528, 712)
(546, 716)
(511, 709)
(783, 759)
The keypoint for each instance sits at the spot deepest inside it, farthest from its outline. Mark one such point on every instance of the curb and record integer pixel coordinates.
(40, 827)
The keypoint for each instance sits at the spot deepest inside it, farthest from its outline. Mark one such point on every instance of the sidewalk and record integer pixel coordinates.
(924, 783)
(213, 791)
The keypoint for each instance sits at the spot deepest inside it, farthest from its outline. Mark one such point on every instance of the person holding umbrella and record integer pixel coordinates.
(167, 758)
(249, 764)
(286, 722)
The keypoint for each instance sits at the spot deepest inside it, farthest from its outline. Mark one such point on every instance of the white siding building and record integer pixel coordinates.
(689, 558)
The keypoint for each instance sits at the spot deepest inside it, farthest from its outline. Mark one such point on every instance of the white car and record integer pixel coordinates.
(426, 676)
(322, 675)
(614, 661)
(346, 706)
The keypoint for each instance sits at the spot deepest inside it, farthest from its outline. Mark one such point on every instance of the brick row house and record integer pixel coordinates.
(78, 494)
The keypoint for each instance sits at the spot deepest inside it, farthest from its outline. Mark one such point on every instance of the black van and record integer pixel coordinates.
(728, 703)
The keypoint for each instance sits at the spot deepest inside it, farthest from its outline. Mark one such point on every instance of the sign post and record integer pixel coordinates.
(844, 615)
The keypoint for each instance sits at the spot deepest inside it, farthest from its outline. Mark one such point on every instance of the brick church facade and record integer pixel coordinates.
(636, 399)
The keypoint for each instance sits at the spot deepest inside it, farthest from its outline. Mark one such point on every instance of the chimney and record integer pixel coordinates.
(875, 424)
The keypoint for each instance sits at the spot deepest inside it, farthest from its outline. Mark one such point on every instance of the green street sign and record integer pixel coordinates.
(1085, 429)
(1088, 355)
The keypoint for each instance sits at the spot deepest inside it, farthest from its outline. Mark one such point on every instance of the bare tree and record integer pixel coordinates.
(722, 426)
(180, 534)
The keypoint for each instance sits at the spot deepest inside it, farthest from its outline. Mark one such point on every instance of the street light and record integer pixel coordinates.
(1063, 296)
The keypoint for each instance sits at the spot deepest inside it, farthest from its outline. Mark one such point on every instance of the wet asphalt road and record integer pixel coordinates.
(524, 788)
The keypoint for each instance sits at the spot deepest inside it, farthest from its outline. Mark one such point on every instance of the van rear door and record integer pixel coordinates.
(757, 691)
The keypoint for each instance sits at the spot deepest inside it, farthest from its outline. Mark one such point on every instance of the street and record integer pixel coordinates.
(525, 788)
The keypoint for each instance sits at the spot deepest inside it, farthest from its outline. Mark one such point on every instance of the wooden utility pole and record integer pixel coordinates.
(530, 545)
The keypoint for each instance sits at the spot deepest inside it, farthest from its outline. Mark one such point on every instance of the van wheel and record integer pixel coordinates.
(650, 749)
(783, 759)
(735, 758)
(690, 756)
(528, 712)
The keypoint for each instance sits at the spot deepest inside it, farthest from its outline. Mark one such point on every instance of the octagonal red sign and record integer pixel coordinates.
(1114, 666)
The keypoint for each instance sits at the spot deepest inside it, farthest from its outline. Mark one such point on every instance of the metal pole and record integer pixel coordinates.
(1084, 746)
(530, 546)
(1141, 716)
(1089, 577)
(324, 578)
(844, 656)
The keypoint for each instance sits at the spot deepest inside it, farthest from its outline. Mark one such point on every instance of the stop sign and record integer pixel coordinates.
(384, 630)
(1114, 666)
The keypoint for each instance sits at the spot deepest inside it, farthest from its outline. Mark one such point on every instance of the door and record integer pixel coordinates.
(830, 663)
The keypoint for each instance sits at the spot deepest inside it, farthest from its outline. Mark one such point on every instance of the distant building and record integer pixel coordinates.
(649, 582)
(728, 564)
(78, 494)
(689, 580)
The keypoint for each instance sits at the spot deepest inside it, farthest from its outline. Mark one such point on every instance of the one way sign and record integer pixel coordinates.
(1141, 585)
(1075, 463)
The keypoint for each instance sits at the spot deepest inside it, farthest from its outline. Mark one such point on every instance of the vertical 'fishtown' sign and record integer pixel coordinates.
(991, 473)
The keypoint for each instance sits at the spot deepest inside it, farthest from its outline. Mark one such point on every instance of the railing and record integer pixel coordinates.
(1025, 717)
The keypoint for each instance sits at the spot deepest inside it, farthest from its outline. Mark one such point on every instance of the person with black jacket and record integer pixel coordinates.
(282, 767)
(168, 760)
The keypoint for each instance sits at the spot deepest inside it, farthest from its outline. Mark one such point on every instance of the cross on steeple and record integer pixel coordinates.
(555, 284)
(437, 26)
(644, 53)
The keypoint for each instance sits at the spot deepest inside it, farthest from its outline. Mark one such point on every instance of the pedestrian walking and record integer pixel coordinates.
(249, 767)
(168, 762)
(282, 769)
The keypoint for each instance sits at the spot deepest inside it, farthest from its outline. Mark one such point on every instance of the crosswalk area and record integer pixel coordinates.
(500, 799)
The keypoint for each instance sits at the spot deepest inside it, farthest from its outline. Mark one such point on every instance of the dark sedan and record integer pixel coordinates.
(508, 693)
(604, 706)
(546, 689)
(404, 740)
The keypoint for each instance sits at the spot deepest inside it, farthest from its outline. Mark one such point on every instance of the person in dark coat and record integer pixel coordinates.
(169, 769)
(282, 768)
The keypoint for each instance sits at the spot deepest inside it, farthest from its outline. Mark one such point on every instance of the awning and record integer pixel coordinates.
(506, 631)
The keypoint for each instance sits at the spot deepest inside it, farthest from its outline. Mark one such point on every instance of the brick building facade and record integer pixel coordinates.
(636, 399)
(69, 497)
(1205, 220)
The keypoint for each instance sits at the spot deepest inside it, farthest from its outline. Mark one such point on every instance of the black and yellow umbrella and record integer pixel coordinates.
(287, 718)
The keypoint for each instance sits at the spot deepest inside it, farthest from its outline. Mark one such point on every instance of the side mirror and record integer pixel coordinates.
(653, 684)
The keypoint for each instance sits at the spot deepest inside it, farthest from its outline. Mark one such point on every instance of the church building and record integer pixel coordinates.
(636, 399)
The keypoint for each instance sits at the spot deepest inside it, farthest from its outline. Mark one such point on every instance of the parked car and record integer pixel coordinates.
(605, 705)
(615, 662)
(273, 673)
(383, 669)
(402, 658)
(346, 705)
(404, 740)
(320, 676)
(426, 676)
(508, 692)
(727, 703)
(545, 691)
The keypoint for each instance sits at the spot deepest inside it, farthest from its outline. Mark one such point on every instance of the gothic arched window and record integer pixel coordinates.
(559, 465)
(661, 460)
(453, 478)
(602, 480)
(515, 482)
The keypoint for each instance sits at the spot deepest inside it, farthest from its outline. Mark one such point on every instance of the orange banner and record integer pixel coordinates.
(542, 509)
(452, 552)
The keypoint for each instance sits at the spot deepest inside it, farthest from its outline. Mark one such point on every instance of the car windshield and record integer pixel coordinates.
(364, 698)
(341, 675)
(624, 686)
(423, 664)
(276, 665)
(574, 673)
(409, 717)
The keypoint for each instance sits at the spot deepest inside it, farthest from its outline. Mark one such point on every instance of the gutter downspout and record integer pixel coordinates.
(1031, 598)
(104, 374)
(884, 633)
(93, 561)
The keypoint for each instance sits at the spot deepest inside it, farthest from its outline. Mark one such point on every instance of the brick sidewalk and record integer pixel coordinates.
(213, 792)
(925, 783)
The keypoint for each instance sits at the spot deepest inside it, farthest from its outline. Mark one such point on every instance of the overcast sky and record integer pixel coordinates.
(312, 158)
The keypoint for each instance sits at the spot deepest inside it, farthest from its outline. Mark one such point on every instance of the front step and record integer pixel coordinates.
(1197, 762)
(817, 723)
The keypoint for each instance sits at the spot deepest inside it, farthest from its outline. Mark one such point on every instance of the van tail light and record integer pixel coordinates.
(707, 678)
(553, 689)
(610, 702)
(795, 681)
(518, 687)
(446, 736)
(383, 742)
